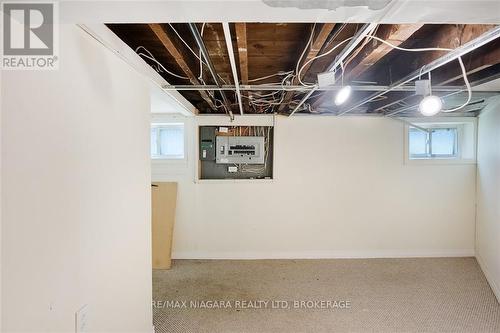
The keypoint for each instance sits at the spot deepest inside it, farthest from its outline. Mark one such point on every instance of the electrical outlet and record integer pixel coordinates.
(81, 319)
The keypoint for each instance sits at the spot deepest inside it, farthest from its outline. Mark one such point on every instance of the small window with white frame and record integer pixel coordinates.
(442, 141)
(167, 141)
(434, 142)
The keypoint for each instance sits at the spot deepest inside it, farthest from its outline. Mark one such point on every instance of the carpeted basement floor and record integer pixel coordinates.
(364, 295)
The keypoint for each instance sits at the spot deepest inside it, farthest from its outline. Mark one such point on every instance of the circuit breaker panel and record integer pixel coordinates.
(235, 152)
(207, 144)
(240, 149)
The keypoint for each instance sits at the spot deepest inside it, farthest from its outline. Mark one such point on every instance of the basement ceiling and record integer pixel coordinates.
(277, 64)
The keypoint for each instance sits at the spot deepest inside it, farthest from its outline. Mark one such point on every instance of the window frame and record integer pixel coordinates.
(165, 125)
(429, 154)
(466, 140)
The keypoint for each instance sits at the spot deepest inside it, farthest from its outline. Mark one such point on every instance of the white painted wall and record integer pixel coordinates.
(397, 11)
(1, 202)
(76, 193)
(488, 195)
(341, 190)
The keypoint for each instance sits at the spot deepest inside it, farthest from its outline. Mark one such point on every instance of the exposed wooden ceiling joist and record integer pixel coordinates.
(267, 52)
(179, 59)
(241, 41)
(375, 51)
(305, 63)
(448, 36)
(474, 63)
(469, 40)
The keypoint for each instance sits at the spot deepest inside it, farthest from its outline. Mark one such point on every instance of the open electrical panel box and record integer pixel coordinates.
(235, 152)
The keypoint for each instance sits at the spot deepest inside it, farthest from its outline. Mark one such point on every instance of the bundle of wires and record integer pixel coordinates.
(259, 170)
(268, 102)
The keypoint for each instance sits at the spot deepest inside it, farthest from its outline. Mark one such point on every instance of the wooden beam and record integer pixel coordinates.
(449, 36)
(374, 51)
(473, 64)
(241, 40)
(169, 44)
(315, 48)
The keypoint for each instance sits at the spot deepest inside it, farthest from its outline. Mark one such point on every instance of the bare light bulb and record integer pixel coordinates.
(342, 95)
(430, 106)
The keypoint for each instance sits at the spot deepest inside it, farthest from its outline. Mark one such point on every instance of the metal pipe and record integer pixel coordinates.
(301, 88)
(406, 108)
(356, 39)
(453, 90)
(229, 43)
(208, 61)
(450, 56)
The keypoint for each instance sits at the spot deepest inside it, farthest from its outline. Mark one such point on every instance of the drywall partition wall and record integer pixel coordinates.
(341, 189)
(0, 202)
(76, 193)
(488, 195)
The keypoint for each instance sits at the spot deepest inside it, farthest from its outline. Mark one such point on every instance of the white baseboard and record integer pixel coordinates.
(325, 254)
(489, 277)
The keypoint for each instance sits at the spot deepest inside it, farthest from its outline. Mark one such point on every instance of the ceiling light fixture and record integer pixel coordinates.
(430, 105)
(342, 95)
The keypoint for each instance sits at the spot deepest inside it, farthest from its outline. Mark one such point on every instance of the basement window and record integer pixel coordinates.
(439, 142)
(443, 141)
(167, 141)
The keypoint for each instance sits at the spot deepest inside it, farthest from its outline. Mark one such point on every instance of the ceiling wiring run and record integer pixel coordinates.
(285, 58)
(157, 65)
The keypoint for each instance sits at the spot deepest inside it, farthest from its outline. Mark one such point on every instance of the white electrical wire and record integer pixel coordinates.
(200, 77)
(152, 58)
(464, 71)
(187, 45)
(263, 100)
(322, 55)
(467, 84)
(269, 76)
(308, 45)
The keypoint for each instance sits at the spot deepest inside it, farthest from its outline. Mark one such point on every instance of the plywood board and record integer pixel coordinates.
(163, 203)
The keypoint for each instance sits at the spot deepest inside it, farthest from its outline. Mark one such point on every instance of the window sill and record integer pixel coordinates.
(166, 163)
(225, 181)
(439, 161)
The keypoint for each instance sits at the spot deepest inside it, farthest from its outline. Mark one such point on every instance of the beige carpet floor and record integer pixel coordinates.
(364, 295)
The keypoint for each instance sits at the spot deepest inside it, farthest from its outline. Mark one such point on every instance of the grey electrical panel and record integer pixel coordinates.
(207, 143)
(235, 152)
(239, 149)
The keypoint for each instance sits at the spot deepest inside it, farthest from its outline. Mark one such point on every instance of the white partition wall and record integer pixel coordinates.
(488, 195)
(340, 189)
(76, 193)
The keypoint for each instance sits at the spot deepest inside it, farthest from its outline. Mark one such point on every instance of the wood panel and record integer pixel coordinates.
(163, 204)
(305, 63)
(242, 56)
(274, 47)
